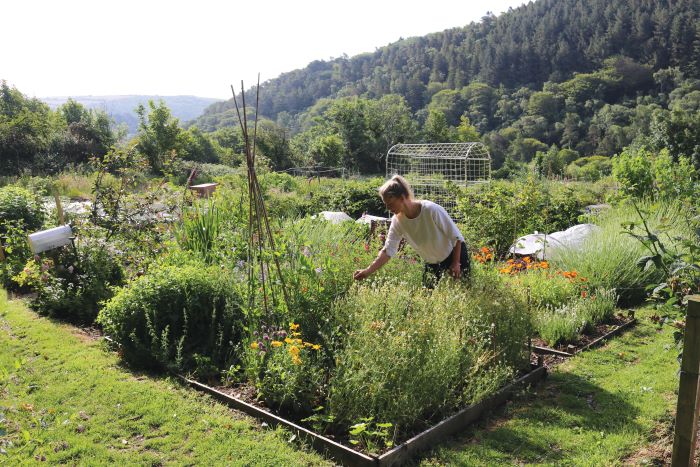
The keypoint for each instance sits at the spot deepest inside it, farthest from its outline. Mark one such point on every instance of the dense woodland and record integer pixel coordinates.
(562, 85)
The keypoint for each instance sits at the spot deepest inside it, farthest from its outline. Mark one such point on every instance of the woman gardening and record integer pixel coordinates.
(426, 226)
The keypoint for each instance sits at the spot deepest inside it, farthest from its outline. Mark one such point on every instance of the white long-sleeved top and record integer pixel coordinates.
(433, 233)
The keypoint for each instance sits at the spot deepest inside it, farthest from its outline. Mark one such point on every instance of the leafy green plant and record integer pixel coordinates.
(597, 306)
(371, 436)
(608, 258)
(544, 288)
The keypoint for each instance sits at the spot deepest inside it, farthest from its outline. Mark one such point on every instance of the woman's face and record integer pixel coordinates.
(395, 204)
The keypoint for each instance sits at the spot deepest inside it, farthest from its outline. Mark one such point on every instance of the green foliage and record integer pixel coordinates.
(286, 371)
(633, 171)
(674, 255)
(543, 288)
(17, 205)
(160, 137)
(169, 315)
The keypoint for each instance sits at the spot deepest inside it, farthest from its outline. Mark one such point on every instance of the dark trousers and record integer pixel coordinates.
(434, 272)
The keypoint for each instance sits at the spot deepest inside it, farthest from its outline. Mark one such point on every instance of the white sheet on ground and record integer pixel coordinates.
(334, 217)
(544, 246)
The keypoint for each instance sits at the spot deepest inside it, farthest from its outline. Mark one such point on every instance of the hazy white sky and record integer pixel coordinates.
(200, 47)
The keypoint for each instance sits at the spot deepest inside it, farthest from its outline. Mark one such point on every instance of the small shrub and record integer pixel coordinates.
(169, 315)
(19, 205)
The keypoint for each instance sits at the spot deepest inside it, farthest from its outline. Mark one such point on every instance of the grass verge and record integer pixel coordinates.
(604, 407)
(63, 399)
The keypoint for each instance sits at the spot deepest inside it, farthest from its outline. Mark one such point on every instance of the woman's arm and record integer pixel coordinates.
(381, 259)
(456, 266)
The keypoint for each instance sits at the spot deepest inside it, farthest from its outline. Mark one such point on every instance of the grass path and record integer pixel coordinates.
(608, 406)
(64, 400)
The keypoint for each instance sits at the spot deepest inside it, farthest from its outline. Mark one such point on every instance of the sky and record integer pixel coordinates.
(200, 47)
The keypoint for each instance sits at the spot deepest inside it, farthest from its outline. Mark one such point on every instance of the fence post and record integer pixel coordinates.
(686, 414)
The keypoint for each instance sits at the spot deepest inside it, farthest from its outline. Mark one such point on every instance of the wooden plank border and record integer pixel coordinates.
(618, 330)
(399, 454)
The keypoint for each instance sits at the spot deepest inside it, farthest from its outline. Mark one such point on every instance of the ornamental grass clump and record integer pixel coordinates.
(608, 258)
(411, 355)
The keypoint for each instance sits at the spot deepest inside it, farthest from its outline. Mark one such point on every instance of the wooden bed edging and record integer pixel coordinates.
(547, 350)
(398, 455)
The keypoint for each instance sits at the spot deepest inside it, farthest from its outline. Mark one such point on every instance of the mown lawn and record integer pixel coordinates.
(612, 405)
(63, 399)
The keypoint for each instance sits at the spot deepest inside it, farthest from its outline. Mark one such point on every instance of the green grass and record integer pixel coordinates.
(63, 398)
(599, 408)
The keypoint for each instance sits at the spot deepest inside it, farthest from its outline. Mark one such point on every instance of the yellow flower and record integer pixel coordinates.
(296, 360)
(253, 345)
(316, 347)
(294, 350)
(276, 344)
(288, 340)
(298, 341)
(293, 326)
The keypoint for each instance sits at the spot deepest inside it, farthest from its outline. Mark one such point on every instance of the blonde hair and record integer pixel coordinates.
(396, 187)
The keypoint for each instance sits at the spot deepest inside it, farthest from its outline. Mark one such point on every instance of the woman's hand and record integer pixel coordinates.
(360, 274)
(456, 270)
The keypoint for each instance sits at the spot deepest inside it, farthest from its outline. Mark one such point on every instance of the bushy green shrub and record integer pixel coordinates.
(172, 314)
(70, 287)
(19, 205)
(410, 355)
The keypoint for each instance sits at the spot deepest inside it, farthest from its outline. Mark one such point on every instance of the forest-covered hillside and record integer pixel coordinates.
(547, 40)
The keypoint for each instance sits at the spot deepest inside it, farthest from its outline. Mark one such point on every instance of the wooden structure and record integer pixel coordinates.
(685, 432)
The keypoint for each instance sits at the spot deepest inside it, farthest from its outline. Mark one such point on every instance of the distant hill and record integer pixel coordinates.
(121, 108)
(545, 40)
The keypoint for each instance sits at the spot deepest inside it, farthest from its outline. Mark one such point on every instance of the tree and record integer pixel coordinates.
(436, 129)
(466, 132)
(159, 137)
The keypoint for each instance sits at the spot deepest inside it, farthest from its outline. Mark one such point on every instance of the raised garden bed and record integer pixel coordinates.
(398, 455)
(600, 334)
